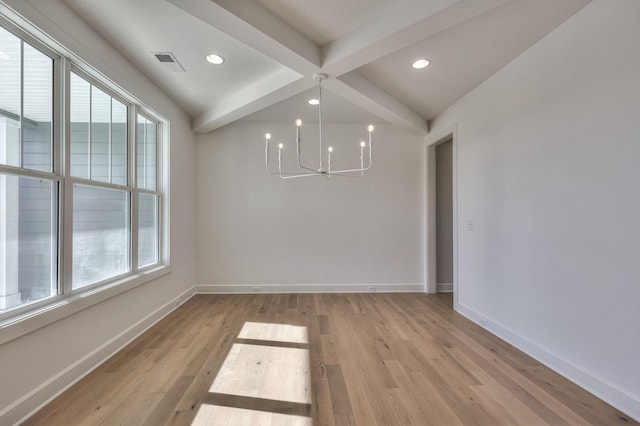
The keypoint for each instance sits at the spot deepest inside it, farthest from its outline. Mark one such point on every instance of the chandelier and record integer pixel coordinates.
(324, 168)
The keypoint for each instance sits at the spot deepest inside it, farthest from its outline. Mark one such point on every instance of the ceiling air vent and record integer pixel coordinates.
(168, 61)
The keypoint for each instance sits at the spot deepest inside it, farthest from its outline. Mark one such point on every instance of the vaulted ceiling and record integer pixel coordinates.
(272, 49)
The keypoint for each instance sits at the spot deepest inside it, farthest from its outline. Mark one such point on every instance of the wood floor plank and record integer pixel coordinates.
(340, 403)
(373, 359)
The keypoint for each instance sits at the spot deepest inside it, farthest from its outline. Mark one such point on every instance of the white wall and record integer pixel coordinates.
(35, 366)
(255, 229)
(548, 168)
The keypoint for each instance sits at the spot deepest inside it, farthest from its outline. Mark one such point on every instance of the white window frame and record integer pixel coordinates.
(27, 318)
(159, 185)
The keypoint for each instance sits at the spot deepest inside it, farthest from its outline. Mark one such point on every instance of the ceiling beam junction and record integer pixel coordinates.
(394, 28)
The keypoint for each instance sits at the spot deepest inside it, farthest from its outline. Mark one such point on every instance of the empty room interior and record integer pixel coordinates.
(292, 212)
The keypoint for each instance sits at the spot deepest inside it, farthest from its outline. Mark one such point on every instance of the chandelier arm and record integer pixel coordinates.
(334, 172)
(298, 173)
(342, 174)
(361, 169)
(300, 163)
(370, 152)
(307, 168)
(266, 158)
(291, 176)
(298, 141)
(267, 162)
(320, 121)
(285, 173)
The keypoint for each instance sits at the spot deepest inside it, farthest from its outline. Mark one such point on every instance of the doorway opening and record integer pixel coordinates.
(441, 264)
(444, 217)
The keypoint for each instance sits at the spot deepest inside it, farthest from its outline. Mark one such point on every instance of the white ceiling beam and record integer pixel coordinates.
(396, 27)
(259, 95)
(253, 25)
(361, 92)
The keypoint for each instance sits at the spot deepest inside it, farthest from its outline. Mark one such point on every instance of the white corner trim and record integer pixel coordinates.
(308, 288)
(586, 380)
(26, 406)
(444, 288)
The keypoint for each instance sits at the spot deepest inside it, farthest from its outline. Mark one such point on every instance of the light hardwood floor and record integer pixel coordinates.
(365, 359)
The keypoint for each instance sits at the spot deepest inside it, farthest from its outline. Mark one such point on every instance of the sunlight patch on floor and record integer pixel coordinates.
(215, 415)
(274, 332)
(267, 372)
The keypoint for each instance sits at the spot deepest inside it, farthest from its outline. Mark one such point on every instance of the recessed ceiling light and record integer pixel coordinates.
(314, 102)
(421, 63)
(214, 59)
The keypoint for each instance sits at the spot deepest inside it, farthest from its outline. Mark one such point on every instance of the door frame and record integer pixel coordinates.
(432, 140)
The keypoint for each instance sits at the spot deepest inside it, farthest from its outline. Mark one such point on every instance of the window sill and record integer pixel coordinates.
(25, 323)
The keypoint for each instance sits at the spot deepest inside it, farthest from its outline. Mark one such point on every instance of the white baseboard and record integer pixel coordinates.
(444, 288)
(588, 381)
(307, 288)
(29, 404)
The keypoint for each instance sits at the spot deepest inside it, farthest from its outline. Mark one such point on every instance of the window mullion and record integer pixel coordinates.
(66, 198)
(57, 152)
(157, 160)
(144, 144)
(89, 136)
(110, 150)
(20, 128)
(131, 159)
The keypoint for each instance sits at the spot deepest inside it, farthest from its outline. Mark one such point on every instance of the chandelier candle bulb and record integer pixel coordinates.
(267, 136)
(298, 124)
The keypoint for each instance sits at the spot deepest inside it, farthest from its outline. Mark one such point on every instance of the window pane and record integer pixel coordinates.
(150, 163)
(100, 234)
(37, 135)
(146, 148)
(118, 143)
(100, 134)
(10, 88)
(79, 131)
(141, 131)
(28, 240)
(147, 229)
